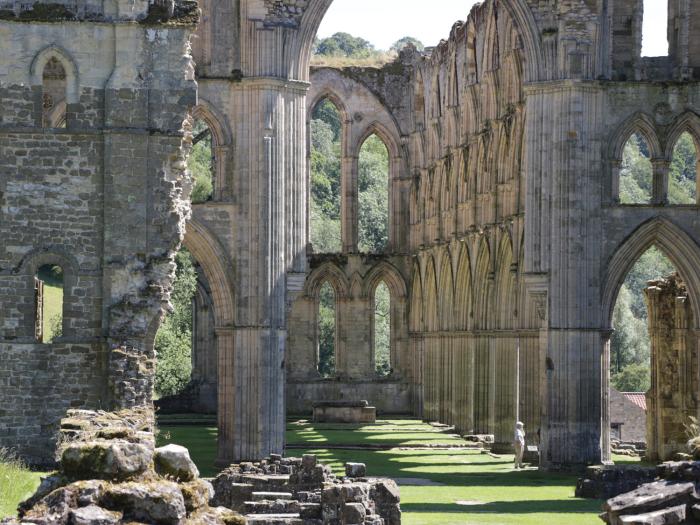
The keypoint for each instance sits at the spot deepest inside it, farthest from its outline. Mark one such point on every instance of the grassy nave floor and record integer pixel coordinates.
(490, 491)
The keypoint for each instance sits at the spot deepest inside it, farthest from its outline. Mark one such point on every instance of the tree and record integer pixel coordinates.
(636, 173)
(327, 328)
(682, 189)
(403, 42)
(200, 163)
(382, 330)
(174, 337)
(373, 195)
(325, 178)
(344, 44)
(634, 378)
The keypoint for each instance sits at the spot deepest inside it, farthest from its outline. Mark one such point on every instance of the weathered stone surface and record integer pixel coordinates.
(604, 482)
(385, 495)
(355, 470)
(174, 461)
(650, 496)
(670, 516)
(93, 515)
(105, 460)
(145, 497)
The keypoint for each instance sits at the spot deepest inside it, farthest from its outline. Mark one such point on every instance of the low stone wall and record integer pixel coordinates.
(608, 481)
(358, 412)
(672, 498)
(38, 384)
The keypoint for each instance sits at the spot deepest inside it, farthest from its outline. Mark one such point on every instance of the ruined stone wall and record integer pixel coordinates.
(673, 397)
(470, 324)
(370, 101)
(103, 197)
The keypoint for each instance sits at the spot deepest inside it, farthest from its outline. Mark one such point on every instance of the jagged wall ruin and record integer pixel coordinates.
(673, 397)
(105, 196)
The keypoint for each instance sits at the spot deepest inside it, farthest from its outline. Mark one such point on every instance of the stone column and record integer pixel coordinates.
(661, 169)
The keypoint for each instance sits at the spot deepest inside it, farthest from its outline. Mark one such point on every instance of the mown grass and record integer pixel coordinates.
(53, 309)
(17, 483)
(487, 487)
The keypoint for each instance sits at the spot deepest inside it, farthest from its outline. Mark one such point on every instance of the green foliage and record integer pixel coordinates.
(344, 44)
(682, 185)
(403, 42)
(325, 178)
(636, 173)
(382, 330)
(53, 309)
(633, 378)
(174, 338)
(201, 164)
(17, 483)
(373, 182)
(630, 346)
(327, 331)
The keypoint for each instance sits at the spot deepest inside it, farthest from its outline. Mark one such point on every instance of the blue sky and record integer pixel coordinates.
(383, 22)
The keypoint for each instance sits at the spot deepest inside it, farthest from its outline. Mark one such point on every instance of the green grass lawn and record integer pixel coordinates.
(489, 490)
(53, 308)
(16, 484)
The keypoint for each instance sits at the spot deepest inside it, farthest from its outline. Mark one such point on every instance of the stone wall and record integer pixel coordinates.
(631, 418)
(103, 195)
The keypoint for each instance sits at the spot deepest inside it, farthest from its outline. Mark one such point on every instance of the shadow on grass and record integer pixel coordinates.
(570, 506)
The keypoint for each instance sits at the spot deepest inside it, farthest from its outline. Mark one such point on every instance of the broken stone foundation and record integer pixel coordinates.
(111, 472)
(302, 491)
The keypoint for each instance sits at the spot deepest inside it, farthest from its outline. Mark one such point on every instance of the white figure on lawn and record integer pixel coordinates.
(519, 442)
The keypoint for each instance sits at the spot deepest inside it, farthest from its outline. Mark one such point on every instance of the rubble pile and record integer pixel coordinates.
(302, 491)
(110, 472)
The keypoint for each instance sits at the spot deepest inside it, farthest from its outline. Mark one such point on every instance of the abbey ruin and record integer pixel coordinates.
(508, 242)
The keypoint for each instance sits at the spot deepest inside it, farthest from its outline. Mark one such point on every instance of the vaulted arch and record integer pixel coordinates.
(675, 243)
(642, 124)
(42, 58)
(217, 267)
(331, 273)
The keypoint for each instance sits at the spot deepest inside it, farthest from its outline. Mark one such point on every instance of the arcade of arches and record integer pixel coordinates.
(510, 229)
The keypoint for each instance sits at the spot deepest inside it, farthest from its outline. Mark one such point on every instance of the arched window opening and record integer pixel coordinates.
(636, 172)
(174, 338)
(382, 330)
(327, 331)
(201, 163)
(683, 174)
(48, 300)
(326, 136)
(630, 346)
(53, 94)
(655, 41)
(373, 195)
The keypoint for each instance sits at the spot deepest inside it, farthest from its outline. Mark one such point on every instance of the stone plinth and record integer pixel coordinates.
(344, 412)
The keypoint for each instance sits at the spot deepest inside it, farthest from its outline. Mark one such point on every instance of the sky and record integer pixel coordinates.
(383, 22)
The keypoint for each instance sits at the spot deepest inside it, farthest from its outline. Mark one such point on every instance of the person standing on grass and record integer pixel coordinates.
(519, 442)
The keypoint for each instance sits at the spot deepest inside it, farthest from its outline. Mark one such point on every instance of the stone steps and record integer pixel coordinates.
(274, 519)
(271, 496)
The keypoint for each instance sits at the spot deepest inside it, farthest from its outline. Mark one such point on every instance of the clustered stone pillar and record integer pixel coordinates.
(673, 396)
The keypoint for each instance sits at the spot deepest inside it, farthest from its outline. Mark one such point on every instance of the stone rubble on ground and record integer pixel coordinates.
(673, 498)
(302, 491)
(106, 476)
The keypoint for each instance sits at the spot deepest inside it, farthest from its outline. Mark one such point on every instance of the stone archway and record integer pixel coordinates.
(217, 268)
